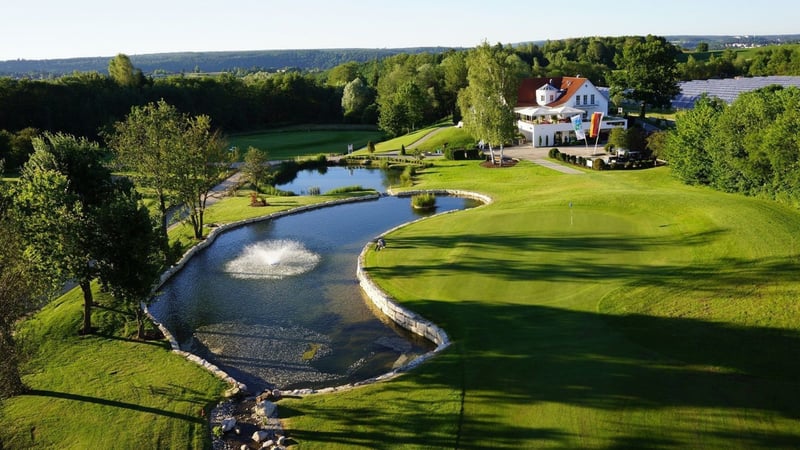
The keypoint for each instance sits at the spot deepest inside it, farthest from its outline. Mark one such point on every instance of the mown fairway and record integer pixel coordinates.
(648, 315)
(290, 143)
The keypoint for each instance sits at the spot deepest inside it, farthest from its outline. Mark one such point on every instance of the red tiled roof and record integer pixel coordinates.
(568, 85)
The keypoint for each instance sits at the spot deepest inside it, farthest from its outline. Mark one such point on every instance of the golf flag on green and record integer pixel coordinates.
(577, 125)
(594, 129)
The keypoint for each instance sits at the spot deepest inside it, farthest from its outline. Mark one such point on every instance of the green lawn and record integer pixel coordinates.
(452, 136)
(105, 390)
(648, 315)
(290, 143)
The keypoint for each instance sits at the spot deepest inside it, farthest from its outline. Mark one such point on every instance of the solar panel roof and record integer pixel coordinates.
(727, 89)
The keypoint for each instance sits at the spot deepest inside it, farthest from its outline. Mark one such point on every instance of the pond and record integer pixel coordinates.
(277, 303)
(327, 178)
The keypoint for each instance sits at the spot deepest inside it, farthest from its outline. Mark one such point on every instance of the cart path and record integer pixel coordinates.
(421, 140)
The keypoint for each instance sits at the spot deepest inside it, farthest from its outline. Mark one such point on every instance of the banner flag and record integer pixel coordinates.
(594, 129)
(577, 125)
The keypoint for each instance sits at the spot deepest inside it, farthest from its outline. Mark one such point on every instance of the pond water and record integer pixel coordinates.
(327, 178)
(277, 303)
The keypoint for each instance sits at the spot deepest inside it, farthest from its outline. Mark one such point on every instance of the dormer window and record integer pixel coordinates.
(546, 94)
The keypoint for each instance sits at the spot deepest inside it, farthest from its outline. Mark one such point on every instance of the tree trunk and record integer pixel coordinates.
(162, 206)
(491, 153)
(140, 323)
(501, 155)
(88, 301)
(641, 110)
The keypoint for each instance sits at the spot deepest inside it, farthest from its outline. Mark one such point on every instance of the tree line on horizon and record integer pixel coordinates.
(83, 102)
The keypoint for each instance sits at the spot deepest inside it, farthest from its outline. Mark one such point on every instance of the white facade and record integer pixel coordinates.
(546, 105)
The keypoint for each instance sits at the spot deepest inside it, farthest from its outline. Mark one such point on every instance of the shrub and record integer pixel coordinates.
(407, 177)
(272, 191)
(553, 153)
(346, 189)
(371, 147)
(423, 201)
(402, 149)
(598, 164)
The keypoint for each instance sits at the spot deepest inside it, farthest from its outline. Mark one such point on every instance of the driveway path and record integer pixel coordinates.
(539, 156)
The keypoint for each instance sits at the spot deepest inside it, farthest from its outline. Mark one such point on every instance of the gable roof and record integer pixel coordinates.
(526, 95)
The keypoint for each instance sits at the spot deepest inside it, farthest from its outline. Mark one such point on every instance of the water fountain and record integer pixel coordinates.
(272, 259)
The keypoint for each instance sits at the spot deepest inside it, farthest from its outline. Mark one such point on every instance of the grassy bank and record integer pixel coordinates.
(105, 390)
(647, 315)
(109, 390)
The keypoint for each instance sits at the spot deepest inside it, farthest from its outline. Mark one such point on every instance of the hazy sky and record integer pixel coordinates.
(44, 29)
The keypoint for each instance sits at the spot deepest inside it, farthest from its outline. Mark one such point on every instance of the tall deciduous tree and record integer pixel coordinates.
(686, 148)
(356, 96)
(146, 142)
(82, 223)
(201, 162)
(127, 252)
(487, 103)
(62, 186)
(121, 70)
(454, 78)
(23, 287)
(178, 156)
(647, 72)
(256, 166)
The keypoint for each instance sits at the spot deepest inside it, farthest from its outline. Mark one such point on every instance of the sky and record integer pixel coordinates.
(51, 29)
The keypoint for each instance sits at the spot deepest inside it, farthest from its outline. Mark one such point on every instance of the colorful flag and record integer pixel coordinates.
(594, 129)
(577, 125)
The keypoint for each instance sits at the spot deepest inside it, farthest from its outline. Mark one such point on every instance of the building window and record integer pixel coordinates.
(593, 99)
(541, 98)
(551, 98)
(584, 100)
(577, 100)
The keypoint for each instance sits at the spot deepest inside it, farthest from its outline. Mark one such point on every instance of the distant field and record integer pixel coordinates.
(294, 142)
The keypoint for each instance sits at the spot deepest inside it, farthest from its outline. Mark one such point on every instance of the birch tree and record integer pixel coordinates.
(487, 103)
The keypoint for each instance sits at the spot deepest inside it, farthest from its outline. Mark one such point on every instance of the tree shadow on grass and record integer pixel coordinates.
(520, 358)
(525, 355)
(361, 427)
(528, 258)
(116, 404)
